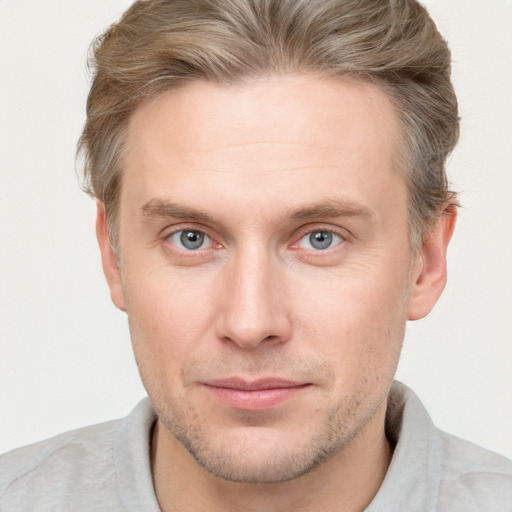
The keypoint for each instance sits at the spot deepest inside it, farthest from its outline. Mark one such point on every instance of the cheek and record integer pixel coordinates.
(356, 323)
(168, 316)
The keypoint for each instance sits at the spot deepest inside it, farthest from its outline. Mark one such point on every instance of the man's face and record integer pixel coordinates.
(265, 268)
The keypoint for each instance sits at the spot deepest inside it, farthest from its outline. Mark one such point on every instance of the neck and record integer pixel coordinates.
(347, 482)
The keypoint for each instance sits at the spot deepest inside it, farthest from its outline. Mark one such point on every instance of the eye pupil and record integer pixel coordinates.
(320, 239)
(192, 239)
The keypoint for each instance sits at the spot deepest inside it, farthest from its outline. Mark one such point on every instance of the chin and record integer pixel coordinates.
(261, 460)
(262, 454)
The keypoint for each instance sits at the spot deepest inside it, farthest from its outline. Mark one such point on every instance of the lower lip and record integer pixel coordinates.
(255, 399)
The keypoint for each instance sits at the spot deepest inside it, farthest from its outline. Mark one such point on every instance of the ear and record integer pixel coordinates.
(429, 274)
(108, 259)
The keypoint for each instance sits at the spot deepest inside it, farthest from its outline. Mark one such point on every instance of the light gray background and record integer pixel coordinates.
(65, 352)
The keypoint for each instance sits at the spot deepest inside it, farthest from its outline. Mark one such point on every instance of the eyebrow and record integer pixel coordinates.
(330, 208)
(327, 208)
(163, 208)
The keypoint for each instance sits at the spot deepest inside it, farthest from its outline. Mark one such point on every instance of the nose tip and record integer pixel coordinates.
(250, 336)
(254, 309)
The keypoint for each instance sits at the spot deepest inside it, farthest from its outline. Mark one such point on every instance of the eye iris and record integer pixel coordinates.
(192, 239)
(320, 239)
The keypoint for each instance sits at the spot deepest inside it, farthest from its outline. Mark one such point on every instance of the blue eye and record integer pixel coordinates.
(320, 240)
(190, 240)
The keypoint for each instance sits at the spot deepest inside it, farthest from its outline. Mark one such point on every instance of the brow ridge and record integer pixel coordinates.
(163, 208)
(329, 208)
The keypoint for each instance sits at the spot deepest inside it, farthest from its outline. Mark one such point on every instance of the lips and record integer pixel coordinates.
(256, 395)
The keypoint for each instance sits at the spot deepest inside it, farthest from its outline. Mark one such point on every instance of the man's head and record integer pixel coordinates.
(161, 45)
(262, 218)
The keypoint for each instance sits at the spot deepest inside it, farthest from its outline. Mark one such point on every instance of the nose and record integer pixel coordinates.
(252, 306)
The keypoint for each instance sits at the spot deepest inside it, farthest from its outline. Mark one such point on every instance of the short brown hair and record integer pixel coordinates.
(159, 45)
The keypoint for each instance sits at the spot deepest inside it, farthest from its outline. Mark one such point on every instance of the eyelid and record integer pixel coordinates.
(312, 228)
(167, 232)
(175, 228)
(175, 238)
(170, 231)
(306, 239)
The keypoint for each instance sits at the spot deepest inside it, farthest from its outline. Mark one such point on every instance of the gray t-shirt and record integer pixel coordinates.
(106, 467)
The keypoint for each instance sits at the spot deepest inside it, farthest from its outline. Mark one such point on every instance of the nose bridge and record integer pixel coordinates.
(253, 309)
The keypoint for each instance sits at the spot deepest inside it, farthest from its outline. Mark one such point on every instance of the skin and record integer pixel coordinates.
(257, 168)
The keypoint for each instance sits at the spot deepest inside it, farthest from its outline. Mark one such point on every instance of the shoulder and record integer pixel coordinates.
(474, 475)
(432, 470)
(68, 464)
(102, 467)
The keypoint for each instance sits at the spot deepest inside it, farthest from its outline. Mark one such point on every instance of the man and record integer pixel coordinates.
(272, 208)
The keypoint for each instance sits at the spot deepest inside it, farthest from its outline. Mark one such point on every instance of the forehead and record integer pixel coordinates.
(285, 139)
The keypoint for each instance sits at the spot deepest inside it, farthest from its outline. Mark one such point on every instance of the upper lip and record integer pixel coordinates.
(254, 385)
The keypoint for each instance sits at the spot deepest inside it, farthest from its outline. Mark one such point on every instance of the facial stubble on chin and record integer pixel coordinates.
(228, 463)
(239, 459)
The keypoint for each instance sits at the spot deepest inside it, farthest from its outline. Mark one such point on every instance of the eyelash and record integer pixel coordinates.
(334, 234)
(185, 229)
(202, 235)
(295, 245)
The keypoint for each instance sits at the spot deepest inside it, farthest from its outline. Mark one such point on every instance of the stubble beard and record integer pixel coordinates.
(244, 461)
